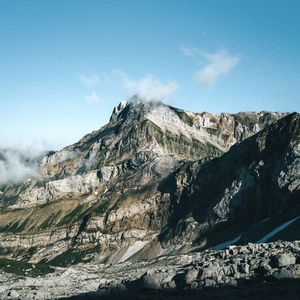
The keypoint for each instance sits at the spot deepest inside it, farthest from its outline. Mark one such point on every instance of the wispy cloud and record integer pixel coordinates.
(148, 86)
(92, 98)
(89, 79)
(17, 166)
(218, 64)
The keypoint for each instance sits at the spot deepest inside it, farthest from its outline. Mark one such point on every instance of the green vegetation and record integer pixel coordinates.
(102, 208)
(181, 144)
(14, 227)
(73, 256)
(117, 204)
(67, 258)
(185, 118)
(24, 268)
(73, 216)
(48, 222)
(247, 119)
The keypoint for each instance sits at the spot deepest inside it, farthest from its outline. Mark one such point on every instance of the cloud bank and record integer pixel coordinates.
(218, 64)
(16, 166)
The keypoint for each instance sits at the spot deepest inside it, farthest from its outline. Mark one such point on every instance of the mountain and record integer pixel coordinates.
(241, 196)
(156, 180)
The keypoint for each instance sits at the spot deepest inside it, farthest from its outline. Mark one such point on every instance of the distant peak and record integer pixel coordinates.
(136, 104)
(117, 109)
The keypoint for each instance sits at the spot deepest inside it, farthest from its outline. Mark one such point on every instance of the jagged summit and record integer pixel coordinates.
(135, 107)
(117, 110)
(201, 126)
(141, 130)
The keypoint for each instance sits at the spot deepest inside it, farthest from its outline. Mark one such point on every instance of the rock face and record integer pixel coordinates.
(157, 180)
(249, 193)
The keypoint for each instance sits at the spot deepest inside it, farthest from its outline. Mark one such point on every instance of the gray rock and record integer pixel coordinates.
(220, 280)
(150, 282)
(12, 294)
(234, 268)
(194, 285)
(191, 275)
(245, 268)
(252, 262)
(284, 260)
(282, 273)
(209, 282)
(172, 284)
(262, 270)
(295, 271)
(211, 271)
(226, 271)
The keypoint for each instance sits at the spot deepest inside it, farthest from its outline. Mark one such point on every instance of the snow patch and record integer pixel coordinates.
(276, 230)
(137, 246)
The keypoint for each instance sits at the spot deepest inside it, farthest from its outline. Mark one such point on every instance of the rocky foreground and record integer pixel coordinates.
(252, 271)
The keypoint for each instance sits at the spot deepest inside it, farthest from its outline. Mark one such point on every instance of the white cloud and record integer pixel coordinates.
(16, 166)
(218, 64)
(89, 79)
(148, 86)
(92, 98)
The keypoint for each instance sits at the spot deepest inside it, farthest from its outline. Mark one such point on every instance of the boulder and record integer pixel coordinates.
(245, 268)
(209, 282)
(150, 282)
(191, 275)
(284, 260)
(211, 271)
(282, 273)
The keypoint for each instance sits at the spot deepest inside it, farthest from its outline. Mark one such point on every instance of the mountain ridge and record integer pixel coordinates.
(104, 197)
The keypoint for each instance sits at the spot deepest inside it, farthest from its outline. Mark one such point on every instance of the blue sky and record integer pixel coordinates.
(65, 64)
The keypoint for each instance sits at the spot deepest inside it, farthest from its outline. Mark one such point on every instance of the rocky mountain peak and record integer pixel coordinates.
(117, 110)
(151, 182)
(135, 108)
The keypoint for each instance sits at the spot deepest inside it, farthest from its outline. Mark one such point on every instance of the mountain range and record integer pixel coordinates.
(156, 181)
